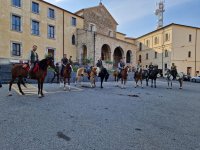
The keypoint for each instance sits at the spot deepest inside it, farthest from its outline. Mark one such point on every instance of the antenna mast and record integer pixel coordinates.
(159, 13)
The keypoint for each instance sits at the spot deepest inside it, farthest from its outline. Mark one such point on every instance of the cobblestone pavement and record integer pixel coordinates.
(101, 119)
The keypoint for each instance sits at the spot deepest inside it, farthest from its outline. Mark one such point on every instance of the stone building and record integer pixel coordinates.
(99, 38)
(174, 43)
(24, 23)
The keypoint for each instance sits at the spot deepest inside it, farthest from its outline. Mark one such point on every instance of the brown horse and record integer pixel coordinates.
(20, 71)
(67, 75)
(124, 75)
(91, 75)
(138, 77)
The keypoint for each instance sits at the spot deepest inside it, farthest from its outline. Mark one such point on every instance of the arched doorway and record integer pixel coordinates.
(84, 54)
(117, 55)
(128, 56)
(105, 52)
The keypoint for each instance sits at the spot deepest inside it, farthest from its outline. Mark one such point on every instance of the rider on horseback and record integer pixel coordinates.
(99, 65)
(64, 62)
(173, 71)
(121, 66)
(138, 67)
(150, 67)
(33, 60)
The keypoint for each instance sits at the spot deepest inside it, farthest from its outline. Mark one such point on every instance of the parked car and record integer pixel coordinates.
(186, 77)
(195, 79)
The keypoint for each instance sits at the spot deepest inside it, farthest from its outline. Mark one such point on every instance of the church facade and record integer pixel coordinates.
(99, 38)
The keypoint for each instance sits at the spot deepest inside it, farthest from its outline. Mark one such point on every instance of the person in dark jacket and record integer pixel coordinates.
(33, 59)
(56, 73)
(64, 62)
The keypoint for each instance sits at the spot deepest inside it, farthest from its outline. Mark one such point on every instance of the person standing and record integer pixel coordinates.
(70, 60)
(56, 73)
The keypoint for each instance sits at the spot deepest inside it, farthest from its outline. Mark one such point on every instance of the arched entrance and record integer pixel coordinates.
(117, 55)
(128, 56)
(105, 52)
(84, 54)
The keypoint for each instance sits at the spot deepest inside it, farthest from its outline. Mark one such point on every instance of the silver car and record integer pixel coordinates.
(195, 79)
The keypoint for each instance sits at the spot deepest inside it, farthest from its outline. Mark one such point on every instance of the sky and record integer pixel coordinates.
(136, 17)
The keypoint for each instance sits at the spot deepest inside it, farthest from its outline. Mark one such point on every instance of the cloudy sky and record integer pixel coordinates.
(136, 17)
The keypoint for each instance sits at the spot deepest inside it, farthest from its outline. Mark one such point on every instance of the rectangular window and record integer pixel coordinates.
(189, 54)
(147, 56)
(156, 40)
(140, 46)
(190, 38)
(16, 3)
(156, 55)
(73, 21)
(16, 49)
(167, 37)
(35, 7)
(92, 27)
(147, 43)
(51, 31)
(165, 66)
(35, 27)
(51, 13)
(16, 23)
(110, 33)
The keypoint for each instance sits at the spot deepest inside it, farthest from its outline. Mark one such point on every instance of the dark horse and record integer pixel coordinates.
(103, 74)
(20, 71)
(67, 75)
(151, 74)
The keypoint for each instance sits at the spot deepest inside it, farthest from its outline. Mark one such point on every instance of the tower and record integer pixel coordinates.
(159, 13)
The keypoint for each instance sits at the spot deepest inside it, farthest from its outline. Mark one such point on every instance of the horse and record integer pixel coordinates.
(138, 76)
(123, 76)
(116, 76)
(39, 73)
(66, 75)
(170, 76)
(103, 74)
(90, 74)
(151, 74)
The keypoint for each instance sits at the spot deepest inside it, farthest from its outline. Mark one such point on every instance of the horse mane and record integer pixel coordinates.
(43, 64)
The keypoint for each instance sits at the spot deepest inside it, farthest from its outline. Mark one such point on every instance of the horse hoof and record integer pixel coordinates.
(65, 89)
(142, 87)
(23, 94)
(39, 96)
(135, 86)
(101, 86)
(9, 94)
(180, 88)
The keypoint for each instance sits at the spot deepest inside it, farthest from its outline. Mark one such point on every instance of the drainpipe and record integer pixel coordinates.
(195, 57)
(94, 47)
(63, 33)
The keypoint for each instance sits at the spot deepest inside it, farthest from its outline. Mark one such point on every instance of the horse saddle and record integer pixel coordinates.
(36, 68)
(26, 67)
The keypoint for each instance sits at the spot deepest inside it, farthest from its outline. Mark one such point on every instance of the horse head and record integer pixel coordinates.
(50, 62)
(94, 70)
